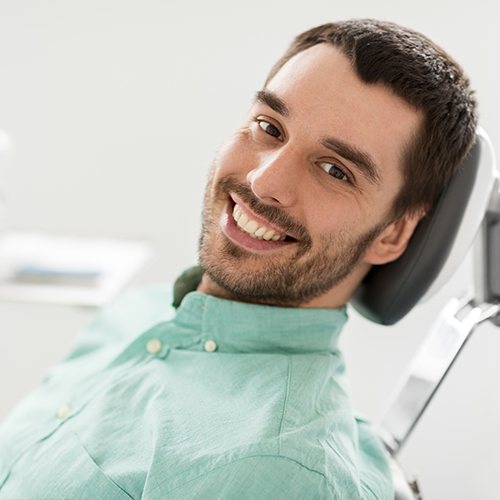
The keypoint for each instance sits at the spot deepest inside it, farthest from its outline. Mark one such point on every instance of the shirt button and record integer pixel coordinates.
(210, 346)
(63, 412)
(154, 346)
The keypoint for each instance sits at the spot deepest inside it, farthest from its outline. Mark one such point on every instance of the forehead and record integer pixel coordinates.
(325, 97)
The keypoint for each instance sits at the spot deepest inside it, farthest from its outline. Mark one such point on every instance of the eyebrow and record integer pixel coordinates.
(273, 101)
(353, 154)
(360, 158)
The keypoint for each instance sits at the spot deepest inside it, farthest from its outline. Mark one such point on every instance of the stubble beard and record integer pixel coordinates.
(275, 280)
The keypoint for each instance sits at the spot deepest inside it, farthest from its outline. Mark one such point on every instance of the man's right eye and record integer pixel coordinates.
(268, 127)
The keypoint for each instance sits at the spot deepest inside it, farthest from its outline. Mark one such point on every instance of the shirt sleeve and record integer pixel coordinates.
(253, 478)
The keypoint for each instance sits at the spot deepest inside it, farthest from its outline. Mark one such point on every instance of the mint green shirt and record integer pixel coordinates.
(217, 400)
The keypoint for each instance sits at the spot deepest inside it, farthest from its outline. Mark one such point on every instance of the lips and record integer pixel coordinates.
(254, 224)
(253, 227)
(249, 230)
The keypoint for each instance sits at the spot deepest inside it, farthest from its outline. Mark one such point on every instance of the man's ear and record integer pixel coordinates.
(393, 240)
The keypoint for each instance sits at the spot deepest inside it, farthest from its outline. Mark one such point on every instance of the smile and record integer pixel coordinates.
(254, 228)
(249, 230)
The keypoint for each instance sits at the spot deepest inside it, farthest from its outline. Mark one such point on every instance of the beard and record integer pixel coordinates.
(283, 280)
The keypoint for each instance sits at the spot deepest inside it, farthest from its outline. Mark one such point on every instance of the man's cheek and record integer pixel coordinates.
(238, 155)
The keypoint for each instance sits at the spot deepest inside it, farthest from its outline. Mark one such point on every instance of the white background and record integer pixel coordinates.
(116, 109)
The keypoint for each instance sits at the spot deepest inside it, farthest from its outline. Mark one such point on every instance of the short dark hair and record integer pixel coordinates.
(421, 73)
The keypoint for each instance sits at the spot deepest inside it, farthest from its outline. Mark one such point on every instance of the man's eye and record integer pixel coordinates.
(269, 128)
(335, 171)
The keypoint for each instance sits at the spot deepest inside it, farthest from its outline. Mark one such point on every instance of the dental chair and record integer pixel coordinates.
(466, 214)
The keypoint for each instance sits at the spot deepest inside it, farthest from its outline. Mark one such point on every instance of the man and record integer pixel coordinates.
(240, 392)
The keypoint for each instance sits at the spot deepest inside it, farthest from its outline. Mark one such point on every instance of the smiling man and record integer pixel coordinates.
(300, 201)
(238, 391)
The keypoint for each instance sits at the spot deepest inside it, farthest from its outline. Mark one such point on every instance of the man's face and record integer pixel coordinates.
(300, 196)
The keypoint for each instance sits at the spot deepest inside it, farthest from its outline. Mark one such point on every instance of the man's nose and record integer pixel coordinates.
(275, 180)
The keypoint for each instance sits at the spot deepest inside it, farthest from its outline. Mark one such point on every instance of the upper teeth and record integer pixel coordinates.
(254, 228)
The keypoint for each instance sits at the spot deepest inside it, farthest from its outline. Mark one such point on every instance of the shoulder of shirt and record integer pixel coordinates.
(139, 308)
(123, 319)
(155, 297)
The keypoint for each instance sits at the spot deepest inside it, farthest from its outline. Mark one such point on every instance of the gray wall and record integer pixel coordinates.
(116, 108)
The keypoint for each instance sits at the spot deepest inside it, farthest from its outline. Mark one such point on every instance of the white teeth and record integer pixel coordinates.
(260, 232)
(253, 228)
(242, 221)
(236, 212)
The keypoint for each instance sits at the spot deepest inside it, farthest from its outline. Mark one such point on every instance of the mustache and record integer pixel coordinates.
(273, 214)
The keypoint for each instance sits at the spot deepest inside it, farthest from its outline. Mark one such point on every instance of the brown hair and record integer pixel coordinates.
(424, 76)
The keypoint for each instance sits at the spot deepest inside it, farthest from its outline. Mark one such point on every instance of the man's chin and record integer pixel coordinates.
(244, 287)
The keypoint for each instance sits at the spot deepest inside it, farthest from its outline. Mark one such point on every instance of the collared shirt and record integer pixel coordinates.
(217, 400)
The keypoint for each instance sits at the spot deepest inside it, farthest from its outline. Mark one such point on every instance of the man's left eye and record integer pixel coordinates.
(335, 171)
(269, 128)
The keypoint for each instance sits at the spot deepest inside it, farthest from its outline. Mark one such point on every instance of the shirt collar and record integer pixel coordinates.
(244, 327)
